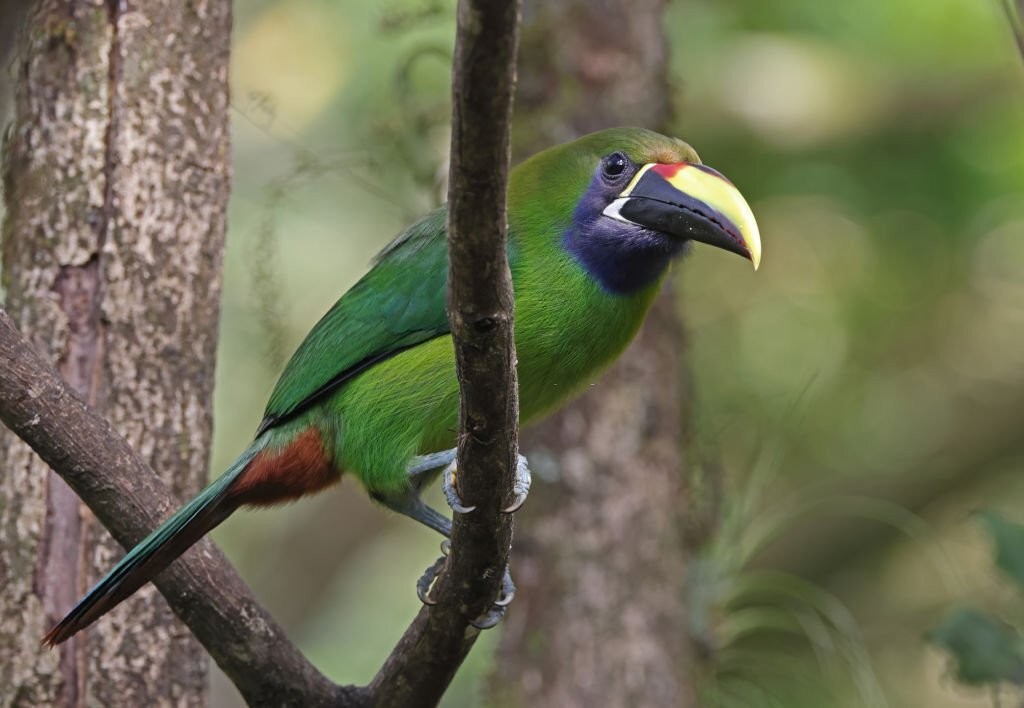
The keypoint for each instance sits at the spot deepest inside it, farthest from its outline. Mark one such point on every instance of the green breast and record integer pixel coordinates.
(567, 331)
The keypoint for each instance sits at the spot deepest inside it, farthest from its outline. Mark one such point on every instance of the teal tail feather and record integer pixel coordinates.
(156, 551)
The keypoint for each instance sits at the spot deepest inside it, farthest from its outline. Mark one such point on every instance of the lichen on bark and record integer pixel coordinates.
(116, 181)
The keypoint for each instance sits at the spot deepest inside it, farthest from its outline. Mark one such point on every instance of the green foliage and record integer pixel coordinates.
(760, 625)
(884, 142)
(985, 650)
(1008, 539)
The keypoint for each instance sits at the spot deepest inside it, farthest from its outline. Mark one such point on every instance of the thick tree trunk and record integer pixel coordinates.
(11, 13)
(587, 65)
(601, 554)
(116, 180)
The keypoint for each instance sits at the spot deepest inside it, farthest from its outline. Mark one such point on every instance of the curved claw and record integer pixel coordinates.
(498, 607)
(490, 619)
(452, 494)
(521, 486)
(505, 600)
(508, 590)
(426, 581)
(446, 547)
(421, 593)
(515, 505)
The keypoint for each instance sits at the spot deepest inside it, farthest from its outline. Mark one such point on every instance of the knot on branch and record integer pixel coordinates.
(484, 325)
(477, 429)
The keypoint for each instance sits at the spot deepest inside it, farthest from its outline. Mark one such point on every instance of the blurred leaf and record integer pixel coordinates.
(986, 650)
(1009, 541)
(829, 626)
(1013, 11)
(746, 621)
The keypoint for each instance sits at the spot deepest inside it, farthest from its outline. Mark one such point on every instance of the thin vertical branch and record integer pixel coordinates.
(480, 309)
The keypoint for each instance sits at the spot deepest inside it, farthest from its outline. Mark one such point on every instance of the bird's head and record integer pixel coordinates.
(625, 201)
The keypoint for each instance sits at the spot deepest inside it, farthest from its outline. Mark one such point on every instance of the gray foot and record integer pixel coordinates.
(450, 491)
(493, 615)
(426, 582)
(500, 605)
(520, 488)
(421, 470)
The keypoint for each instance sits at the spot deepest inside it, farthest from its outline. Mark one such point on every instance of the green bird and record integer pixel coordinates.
(593, 228)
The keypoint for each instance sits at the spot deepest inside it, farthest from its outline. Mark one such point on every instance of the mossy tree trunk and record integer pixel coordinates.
(601, 551)
(116, 179)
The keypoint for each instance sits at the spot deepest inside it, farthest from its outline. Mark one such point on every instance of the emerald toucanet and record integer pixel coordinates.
(372, 392)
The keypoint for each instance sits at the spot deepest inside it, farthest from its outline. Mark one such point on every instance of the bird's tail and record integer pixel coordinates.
(158, 550)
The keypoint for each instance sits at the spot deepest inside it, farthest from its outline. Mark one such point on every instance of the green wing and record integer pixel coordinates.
(397, 305)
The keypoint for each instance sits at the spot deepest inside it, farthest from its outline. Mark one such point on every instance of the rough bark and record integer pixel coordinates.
(480, 310)
(116, 179)
(603, 549)
(587, 66)
(11, 14)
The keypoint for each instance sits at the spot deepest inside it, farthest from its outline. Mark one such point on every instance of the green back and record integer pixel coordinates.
(397, 305)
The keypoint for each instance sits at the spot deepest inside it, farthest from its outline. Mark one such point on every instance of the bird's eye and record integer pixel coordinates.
(614, 165)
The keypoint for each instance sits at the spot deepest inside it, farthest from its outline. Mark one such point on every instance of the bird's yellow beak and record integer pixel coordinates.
(692, 202)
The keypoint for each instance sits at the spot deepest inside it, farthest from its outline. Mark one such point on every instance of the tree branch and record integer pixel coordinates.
(130, 500)
(480, 310)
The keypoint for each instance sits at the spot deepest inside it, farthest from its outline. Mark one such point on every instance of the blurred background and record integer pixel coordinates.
(863, 393)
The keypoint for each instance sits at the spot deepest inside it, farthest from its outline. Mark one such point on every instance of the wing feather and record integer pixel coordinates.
(398, 304)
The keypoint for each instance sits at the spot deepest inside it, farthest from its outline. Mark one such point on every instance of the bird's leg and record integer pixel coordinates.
(521, 487)
(425, 465)
(423, 468)
(409, 504)
(420, 471)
